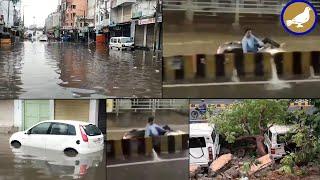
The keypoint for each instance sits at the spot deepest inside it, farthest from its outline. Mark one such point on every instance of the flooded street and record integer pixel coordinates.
(173, 167)
(33, 163)
(69, 70)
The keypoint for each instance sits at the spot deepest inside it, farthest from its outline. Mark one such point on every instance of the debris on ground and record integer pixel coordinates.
(194, 169)
(219, 163)
(263, 162)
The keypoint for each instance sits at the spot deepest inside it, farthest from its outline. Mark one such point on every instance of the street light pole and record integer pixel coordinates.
(8, 12)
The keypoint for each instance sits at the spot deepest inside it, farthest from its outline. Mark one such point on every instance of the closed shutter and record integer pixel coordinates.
(138, 38)
(150, 35)
(35, 111)
(72, 110)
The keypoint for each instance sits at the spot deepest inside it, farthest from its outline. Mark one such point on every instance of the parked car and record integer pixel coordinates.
(43, 38)
(275, 140)
(61, 135)
(121, 43)
(204, 144)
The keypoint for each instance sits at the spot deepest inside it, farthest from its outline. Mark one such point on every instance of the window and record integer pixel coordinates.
(92, 130)
(126, 40)
(40, 128)
(197, 142)
(62, 129)
(213, 136)
(270, 135)
(73, 6)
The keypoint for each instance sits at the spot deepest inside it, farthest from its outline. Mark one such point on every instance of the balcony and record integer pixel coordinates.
(116, 3)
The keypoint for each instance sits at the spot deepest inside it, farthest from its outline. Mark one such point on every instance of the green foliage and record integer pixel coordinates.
(287, 164)
(246, 168)
(247, 117)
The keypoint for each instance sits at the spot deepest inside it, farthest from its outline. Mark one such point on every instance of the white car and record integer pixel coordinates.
(61, 135)
(121, 43)
(274, 140)
(204, 144)
(43, 38)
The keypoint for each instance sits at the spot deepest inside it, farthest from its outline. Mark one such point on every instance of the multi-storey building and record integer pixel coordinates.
(145, 15)
(52, 24)
(70, 11)
(120, 18)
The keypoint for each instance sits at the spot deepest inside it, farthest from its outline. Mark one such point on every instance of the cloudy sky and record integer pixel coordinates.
(36, 11)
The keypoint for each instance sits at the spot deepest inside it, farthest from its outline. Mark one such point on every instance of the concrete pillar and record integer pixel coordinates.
(51, 108)
(145, 35)
(93, 112)
(18, 114)
(133, 29)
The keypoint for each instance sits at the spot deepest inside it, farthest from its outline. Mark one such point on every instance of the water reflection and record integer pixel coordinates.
(48, 163)
(69, 70)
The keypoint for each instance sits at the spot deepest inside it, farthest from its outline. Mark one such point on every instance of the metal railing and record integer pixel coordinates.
(150, 104)
(230, 6)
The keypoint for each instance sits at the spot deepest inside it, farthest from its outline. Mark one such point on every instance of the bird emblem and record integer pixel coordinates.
(300, 19)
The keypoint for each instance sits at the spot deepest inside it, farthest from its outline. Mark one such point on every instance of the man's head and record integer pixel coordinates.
(248, 32)
(151, 120)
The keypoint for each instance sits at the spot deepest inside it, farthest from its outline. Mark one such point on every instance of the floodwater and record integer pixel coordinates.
(157, 167)
(205, 38)
(27, 163)
(73, 70)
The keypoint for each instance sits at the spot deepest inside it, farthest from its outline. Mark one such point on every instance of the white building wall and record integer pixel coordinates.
(4, 12)
(146, 7)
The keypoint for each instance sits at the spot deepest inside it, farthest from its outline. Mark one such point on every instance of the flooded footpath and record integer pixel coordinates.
(73, 70)
(26, 163)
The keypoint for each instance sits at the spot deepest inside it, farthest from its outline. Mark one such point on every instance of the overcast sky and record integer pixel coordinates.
(40, 9)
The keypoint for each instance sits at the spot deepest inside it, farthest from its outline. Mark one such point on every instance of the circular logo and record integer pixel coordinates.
(299, 17)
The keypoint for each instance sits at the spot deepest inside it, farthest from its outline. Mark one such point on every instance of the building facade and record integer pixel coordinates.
(52, 24)
(120, 18)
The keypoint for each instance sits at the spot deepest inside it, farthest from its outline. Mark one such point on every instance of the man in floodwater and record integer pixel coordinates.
(152, 129)
(250, 43)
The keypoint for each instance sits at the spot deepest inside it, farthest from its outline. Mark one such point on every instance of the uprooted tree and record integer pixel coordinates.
(306, 136)
(250, 119)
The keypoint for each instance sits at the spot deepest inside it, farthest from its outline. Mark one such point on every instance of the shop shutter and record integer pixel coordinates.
(150, 35)
(72, 110)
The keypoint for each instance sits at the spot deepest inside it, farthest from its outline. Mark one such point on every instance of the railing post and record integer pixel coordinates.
(189, 12)
(153, 107)
(236, 15)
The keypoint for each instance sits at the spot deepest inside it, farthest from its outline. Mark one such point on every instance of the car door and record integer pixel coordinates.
(36, 136)
(61, 136)
(198, 151)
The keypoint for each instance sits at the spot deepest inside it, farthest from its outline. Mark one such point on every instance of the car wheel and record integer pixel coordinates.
(16, 144)
(70, 152)
(194, 115)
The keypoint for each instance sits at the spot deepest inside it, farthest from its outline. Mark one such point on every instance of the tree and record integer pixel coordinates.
(250, 119)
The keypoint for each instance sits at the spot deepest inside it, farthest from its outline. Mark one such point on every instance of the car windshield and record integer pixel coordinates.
(126, 40)
(197, 142)
(92, 130)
